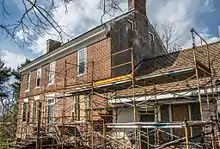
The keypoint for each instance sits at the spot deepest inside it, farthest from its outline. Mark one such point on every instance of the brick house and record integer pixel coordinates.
(54, 82)
(83, 87)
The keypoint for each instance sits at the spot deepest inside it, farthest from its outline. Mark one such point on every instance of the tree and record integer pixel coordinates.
(5, 101)
(169, 35)
(9, 101)
(17, 76)
(37, 17)
(5, 74)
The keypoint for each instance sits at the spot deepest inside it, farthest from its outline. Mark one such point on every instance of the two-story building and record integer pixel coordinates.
(115, 86)
(58, 88)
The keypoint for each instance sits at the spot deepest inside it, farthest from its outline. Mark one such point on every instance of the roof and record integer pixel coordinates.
(96, 34)
(176, 61)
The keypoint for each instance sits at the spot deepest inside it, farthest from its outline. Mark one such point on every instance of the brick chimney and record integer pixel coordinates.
(139, 5)
(52, 45)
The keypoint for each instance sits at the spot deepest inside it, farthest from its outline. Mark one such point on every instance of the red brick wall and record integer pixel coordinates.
(98, 55)
(98, 64)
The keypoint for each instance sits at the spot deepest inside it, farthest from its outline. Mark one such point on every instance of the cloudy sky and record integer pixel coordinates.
(83, 15)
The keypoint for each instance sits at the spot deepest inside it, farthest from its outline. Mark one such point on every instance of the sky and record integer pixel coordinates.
(83, 15)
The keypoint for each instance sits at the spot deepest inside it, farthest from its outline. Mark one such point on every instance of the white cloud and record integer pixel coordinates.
(11, 59)
(80, 17)
(184, 13)
(83, 15)
(205, 35)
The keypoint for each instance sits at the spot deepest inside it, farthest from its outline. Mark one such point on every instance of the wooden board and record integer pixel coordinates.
(180, 113)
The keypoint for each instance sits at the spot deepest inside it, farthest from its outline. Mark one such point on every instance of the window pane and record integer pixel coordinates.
(50, 114)
(81, 67)
(28, 81)
(82, 55)
(24, 113)
(165, 117)
(195, 115)
(164, 111)
(51, 73)
(38, 82)
(28, 77)
(39, 73)
(195, 111)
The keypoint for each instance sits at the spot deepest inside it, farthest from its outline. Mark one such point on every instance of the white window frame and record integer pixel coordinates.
(28, 80)
(78, 62)
(51, 105)
(38, 76)
(51, 73)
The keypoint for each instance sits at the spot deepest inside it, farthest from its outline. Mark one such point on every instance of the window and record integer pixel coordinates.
(165, 117)
(195, 116)
(75, 109)
(81, 62)
(28, 82)
(32, 111)
(50, 110)
(38, 77)
(51, 73)
(24, 106)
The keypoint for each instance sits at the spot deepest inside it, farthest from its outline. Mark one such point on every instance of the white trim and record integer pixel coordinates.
(25, 100)
(36, 98)
(50, 95)
(193, 92)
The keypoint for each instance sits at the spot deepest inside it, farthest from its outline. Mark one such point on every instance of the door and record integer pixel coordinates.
(144, 140)
(179, 114)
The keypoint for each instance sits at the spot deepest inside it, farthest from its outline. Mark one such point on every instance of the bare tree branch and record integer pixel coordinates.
(169, 35)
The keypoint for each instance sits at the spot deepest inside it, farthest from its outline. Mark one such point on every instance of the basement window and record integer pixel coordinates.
(28, 82)
(38, 78)
(81, 61)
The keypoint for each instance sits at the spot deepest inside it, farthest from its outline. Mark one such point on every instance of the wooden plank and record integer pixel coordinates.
(179, 113)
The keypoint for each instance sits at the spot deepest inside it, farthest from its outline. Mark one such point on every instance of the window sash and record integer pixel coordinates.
(24, 107)
(81, 61)
(51, 73)
(38, 78)
(28, 82)
(50, 110)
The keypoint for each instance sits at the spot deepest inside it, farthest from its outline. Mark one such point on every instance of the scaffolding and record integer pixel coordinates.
(94, 122)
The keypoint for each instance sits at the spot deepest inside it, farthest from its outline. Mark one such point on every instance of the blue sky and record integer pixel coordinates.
(204, 15)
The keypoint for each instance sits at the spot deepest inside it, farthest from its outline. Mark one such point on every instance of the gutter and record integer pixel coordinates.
(61, 49)
(175, 95)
